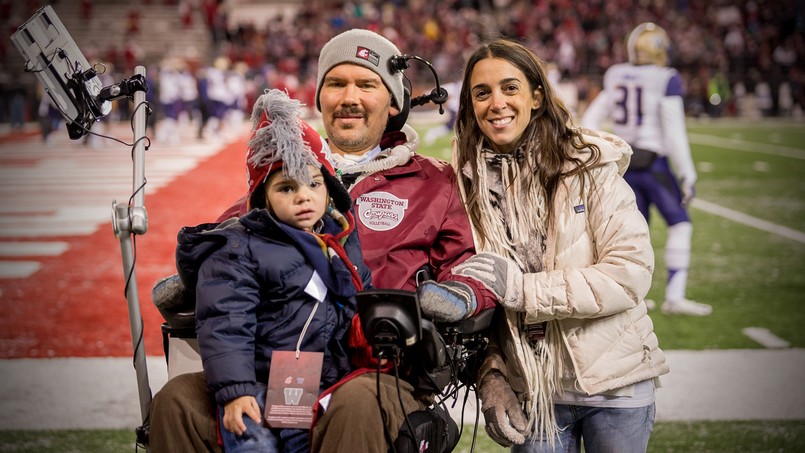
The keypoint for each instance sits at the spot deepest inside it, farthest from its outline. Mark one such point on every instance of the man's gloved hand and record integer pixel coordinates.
(505, 421)
(448, 301)
(500, 275)
(688, 192)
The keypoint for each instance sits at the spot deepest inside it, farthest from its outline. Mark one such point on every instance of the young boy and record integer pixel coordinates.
(280, 278)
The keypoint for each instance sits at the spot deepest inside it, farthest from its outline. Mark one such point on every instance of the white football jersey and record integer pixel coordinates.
(644, 106)
(631, 99)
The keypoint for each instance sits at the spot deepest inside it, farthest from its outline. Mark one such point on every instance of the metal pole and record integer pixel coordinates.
(127, 220)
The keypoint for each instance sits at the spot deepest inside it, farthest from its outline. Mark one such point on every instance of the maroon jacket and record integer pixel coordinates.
(412, 215)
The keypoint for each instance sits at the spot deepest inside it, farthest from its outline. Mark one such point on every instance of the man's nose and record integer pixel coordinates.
(350, 95)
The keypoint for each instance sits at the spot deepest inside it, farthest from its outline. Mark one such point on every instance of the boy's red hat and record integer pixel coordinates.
(281, 140)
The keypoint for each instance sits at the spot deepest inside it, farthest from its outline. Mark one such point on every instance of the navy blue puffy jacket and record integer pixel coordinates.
(250, 277)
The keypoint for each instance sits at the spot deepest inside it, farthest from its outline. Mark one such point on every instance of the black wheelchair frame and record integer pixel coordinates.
(438, 359)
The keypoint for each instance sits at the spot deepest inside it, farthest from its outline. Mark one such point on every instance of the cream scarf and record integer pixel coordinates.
(501, 176)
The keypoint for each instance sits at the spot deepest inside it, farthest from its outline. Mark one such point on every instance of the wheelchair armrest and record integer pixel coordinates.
(470, 325)
(185, 332)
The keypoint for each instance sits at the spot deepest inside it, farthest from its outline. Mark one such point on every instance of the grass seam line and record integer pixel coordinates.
(748, 220)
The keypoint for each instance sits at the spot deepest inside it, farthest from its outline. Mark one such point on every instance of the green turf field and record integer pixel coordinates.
(668, 437)
(698, 437)
(751, 276)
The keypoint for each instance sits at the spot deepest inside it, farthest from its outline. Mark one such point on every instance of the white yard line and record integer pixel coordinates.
(741, 145)
(18, 269)
(748, 220)
(761, 335)
(764, 337)
(19, 248)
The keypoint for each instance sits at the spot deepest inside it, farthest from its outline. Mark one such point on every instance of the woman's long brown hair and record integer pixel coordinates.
(549, 134)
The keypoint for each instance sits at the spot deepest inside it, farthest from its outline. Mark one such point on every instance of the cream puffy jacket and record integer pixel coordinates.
(598, 267)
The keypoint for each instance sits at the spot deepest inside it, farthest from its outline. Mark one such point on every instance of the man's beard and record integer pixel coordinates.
(345, 141)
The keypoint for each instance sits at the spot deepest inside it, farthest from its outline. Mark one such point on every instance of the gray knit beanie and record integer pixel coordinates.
(365, 48)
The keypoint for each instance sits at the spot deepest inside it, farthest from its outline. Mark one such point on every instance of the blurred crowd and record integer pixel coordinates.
(737, 58)
(727, 51)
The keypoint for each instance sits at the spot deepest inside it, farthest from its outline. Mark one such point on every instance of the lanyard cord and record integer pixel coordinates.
(304, 329)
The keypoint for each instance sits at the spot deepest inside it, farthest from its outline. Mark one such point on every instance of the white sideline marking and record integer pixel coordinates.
(741, 145)
(40, 180)
(765, 337)
(102, 393)
(42, 231)
(18, 269)
(32, 248)
(748, 220)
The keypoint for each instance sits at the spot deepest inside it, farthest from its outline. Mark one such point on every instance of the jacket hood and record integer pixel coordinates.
(613, 148)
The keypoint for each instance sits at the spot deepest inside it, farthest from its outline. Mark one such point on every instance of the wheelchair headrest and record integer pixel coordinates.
(174, 303)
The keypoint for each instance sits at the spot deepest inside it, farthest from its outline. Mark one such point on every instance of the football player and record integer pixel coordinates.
(642, 101)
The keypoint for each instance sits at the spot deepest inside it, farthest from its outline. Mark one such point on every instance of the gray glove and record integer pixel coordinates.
(500, 275)
(505, 421)
(448, 301)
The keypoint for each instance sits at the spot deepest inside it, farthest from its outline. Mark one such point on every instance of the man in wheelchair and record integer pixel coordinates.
(410, 217)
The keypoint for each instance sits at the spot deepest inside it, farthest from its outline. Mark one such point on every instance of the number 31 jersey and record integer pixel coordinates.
(631, 99)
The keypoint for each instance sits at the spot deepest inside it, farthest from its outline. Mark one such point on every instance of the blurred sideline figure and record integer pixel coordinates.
(565, 86)
(235, 114)
(642, 99)
(188, 93)
(170, 100)
(218, 97)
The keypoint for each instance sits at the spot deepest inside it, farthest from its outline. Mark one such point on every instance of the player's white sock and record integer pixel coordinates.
(677, 260)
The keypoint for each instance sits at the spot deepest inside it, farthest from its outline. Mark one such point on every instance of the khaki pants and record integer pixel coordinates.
(183, 417)
(353, 421)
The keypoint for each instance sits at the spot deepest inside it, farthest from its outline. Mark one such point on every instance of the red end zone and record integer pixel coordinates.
(75, 305)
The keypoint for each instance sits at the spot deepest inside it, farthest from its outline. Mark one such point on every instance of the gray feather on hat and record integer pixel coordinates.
(278, 137)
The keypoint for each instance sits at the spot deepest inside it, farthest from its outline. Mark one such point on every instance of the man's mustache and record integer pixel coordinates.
(350, 112)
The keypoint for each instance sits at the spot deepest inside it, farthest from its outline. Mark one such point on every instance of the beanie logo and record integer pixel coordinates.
(369, 55)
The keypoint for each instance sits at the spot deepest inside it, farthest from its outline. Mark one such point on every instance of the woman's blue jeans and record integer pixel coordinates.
(602, 429)
(259, 438)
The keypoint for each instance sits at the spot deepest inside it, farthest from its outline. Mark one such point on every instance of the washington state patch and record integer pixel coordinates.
(380, 211)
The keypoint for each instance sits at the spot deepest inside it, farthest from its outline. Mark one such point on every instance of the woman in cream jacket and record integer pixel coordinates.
(573, 357)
